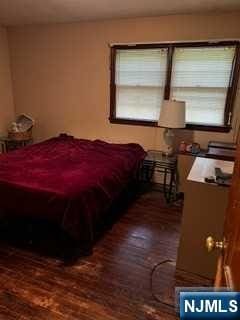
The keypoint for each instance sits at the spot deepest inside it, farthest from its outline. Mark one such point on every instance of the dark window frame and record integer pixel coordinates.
(231, 94)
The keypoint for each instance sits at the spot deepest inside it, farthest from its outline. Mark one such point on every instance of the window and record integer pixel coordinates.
(202, 74)
(140, 83)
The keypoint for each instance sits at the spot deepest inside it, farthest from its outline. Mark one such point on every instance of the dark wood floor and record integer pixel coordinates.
(112, 284)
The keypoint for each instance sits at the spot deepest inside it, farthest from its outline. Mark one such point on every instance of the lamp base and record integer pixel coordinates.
(168, 137)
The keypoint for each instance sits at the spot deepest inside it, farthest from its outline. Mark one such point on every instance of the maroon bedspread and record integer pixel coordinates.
(67, 180)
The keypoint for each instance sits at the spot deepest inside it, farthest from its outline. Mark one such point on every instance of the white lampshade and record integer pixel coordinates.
(172, 114)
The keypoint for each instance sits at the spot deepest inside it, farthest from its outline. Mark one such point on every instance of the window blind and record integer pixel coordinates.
(201, 76)
(140, 81)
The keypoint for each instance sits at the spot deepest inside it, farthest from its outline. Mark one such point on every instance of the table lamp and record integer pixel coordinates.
(172, 116)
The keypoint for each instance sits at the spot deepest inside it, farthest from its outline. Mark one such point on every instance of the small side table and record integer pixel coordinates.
(8, 144)
(156, 161)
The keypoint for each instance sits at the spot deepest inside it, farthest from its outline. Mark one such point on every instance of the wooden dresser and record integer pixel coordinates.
(203, 215)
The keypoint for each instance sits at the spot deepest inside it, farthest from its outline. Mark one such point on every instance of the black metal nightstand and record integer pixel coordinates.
(156, 161)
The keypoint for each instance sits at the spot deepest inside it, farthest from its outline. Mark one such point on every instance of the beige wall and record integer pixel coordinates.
(6, 97)
(61, 72)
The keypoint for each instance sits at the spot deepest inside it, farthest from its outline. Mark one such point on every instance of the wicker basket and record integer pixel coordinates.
(18, 136)
(25, 133)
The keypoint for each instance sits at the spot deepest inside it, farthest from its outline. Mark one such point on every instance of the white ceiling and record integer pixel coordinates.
(19, 12)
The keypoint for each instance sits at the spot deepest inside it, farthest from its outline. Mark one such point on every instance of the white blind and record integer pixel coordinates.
(140, 81)
(200, 76)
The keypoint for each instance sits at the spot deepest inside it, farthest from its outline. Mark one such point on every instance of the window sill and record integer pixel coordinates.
(202, 127)
(189, 126)
(131, 122)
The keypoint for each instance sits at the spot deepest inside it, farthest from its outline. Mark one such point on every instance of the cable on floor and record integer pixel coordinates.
(155, 297)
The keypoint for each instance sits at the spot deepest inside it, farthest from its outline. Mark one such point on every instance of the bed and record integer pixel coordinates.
(68, 181)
